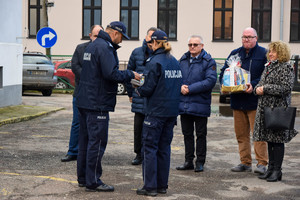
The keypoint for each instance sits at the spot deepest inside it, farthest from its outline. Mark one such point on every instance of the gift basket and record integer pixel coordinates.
(235, 78)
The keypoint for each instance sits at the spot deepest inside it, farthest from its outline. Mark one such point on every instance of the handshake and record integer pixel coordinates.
(138, 80)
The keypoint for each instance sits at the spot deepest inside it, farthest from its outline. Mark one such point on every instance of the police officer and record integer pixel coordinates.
(162, 91)
(96, 97)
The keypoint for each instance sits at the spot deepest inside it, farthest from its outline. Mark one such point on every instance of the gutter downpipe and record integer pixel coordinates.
(281, 20)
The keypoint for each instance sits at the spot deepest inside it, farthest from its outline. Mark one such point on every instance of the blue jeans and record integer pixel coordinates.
(73, 143)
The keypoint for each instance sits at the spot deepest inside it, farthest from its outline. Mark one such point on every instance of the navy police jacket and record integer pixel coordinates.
(200, 75)
(162, 85)
(137, 63)
(100, 75)
(77, 62)
(254, 62)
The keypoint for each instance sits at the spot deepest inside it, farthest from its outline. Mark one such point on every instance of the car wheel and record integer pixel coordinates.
(47, 92)
(61, 85)
(121, 88)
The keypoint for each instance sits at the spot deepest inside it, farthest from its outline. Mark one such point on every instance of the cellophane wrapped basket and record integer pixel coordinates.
(235, 78)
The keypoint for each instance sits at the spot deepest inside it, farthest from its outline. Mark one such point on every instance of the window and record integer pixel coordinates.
(130, 17)
(167, 17)
(34, 17)
(92, 14)
(223, 20)
(295, 20)
(261, 19)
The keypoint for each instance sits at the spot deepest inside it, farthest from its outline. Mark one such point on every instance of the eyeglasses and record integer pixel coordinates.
(192, 44)
(248, 37)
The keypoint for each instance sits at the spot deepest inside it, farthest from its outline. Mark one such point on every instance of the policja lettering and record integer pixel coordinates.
(101, 117)
(173, 74)
(87, 56)
(147, 123)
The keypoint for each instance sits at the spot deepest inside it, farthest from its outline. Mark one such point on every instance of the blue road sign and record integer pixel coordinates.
(46, 37)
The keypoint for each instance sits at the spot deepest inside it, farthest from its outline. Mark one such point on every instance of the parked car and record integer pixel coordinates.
(38, 73)
(65, 76)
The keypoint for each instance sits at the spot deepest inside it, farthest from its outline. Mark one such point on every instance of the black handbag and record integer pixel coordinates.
(280, 118)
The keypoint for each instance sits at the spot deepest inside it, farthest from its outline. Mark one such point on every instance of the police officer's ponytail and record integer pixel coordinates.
(164, 44)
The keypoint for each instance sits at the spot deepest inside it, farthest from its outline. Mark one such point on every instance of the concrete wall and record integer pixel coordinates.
(11, 58)
(194, 17)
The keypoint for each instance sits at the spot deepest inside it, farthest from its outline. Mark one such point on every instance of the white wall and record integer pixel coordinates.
(194, 17)
(11, 51)
(10, 41)
(11, 59)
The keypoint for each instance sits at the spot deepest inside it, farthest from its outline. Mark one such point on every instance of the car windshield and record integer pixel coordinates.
(31, 59)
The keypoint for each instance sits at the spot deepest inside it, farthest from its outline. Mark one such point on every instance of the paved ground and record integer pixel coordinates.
(30, 153)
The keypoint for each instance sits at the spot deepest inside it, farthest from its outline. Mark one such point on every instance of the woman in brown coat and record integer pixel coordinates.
(274, 89)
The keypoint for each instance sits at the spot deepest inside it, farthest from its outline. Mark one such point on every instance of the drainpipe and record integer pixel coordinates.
(281, 20)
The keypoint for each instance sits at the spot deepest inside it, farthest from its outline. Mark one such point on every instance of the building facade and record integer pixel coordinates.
(11, 52)
(219, 22)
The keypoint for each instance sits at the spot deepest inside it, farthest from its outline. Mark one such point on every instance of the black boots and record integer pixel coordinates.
(137, 160)
(275, 176)
(267, 174)
(276, 153)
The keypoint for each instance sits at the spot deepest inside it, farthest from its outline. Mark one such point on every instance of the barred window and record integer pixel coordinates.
(295, 20)
(34, 17)
(92, 14)
(223, 20)
(129, 15)
(167, 17)
(261, 19)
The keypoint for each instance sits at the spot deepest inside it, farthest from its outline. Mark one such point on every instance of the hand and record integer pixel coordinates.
(137, 76)
(130, 99)
(185, 89)
(260, 90)
(134, 86)
(249, 88)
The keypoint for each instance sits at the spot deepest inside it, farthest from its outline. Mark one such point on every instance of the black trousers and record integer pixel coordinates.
(188, 122)
(138, 131)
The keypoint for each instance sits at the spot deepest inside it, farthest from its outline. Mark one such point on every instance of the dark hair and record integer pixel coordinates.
(152, 29)
(92, 27)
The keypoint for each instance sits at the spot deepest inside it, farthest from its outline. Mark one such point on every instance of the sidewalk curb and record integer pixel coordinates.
(28, 117)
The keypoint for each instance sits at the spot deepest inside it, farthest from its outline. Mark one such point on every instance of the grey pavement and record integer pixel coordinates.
(30, 153)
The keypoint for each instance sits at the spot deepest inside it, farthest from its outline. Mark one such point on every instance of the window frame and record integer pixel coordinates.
(223, 10)
(130, 8)
(92, 8)
(259, 29)
(167, 10)
(293, 9)
(38, 8)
